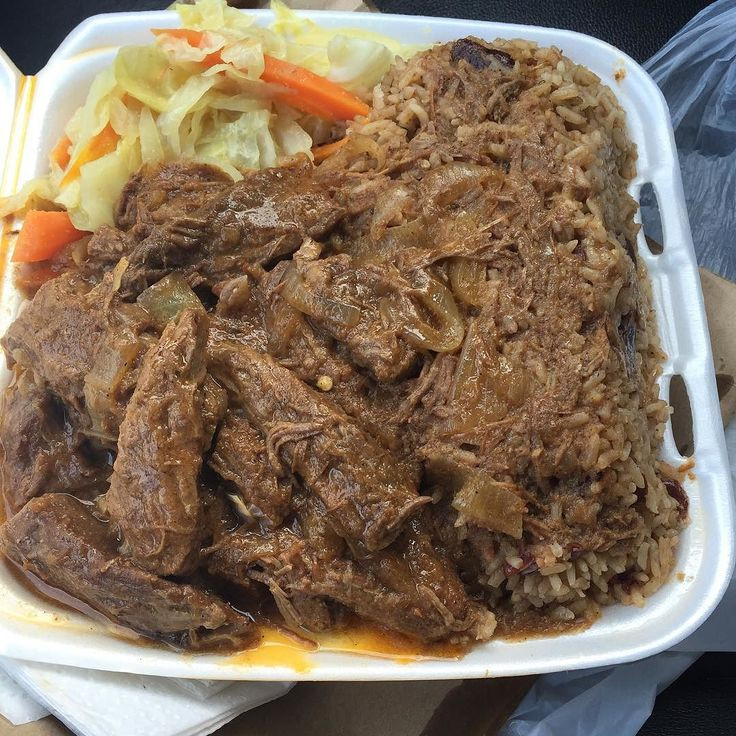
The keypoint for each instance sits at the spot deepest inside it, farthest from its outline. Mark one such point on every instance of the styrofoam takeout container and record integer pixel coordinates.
(35, 630)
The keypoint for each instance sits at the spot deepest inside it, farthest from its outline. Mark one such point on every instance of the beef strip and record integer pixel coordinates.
(152, 197)
(240, 312)
(258, 220)
(86, 345)
(158, 193)
(316, 613)
(470, 548)
(42, 452)
(367, 494)
(314, 356)
(242, 557)
(105, 248)
(417, 567)
(271, 211)
(348, 300)
(240, 457)
(153, 496)
(214, 409)
(217, 514)
(59, 540)
(251, 312)
(58, 336)
(114, 374)
(309, 541)
(414, 566)
(406, 588)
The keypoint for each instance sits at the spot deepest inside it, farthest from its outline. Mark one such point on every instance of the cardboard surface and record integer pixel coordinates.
(48, 726)
(470, 708)
(720, 306)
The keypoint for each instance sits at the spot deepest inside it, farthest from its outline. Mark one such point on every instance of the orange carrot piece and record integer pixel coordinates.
(212, 59)
(60, 152)
(103, 143)
(306, 91)
(193, 38)
(30, 277)
(43, 235)
(320, 153)
(311, 93)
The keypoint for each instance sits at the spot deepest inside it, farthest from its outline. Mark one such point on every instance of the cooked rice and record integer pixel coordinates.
(580, 123)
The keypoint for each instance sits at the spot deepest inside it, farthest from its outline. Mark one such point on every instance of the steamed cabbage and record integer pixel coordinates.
(197, 94)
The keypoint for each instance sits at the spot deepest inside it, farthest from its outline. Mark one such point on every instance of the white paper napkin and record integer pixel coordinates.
(93, 703)
(15, 705)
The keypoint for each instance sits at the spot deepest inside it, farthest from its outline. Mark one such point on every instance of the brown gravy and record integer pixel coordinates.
(533, 625)
(54, 596)
(358, 636)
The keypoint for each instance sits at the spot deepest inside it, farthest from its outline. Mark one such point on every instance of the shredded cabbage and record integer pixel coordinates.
(213, 15)
(357, 63)
(239, 142)
(144, 73)
(197, 93)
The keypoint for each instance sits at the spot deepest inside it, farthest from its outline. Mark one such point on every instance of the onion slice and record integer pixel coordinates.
(467, 279)
(167, 298)
(298, 295)
(437, 300)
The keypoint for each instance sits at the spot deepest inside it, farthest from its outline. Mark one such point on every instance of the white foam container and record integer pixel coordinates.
(33, 630)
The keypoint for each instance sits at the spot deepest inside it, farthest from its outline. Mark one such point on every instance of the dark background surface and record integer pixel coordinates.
(30, 30)
(703, 701)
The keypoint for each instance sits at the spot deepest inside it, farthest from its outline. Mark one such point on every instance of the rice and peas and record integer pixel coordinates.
(579, 123)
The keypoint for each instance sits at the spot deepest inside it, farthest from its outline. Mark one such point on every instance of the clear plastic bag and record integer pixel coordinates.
(696, 71)
(588, 702)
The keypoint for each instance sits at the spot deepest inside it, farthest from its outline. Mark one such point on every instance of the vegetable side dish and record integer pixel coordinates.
(219, 90)
(409, 377)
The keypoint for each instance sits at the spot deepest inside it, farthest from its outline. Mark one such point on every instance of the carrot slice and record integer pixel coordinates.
(60, 152)
(104, 142)
(320, 153)
(43, 235)
(30, 277)
(311, 93)
(212, 59)
(193, 38)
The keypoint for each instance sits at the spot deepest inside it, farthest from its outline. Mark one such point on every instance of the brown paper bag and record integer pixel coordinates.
(720, 304)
